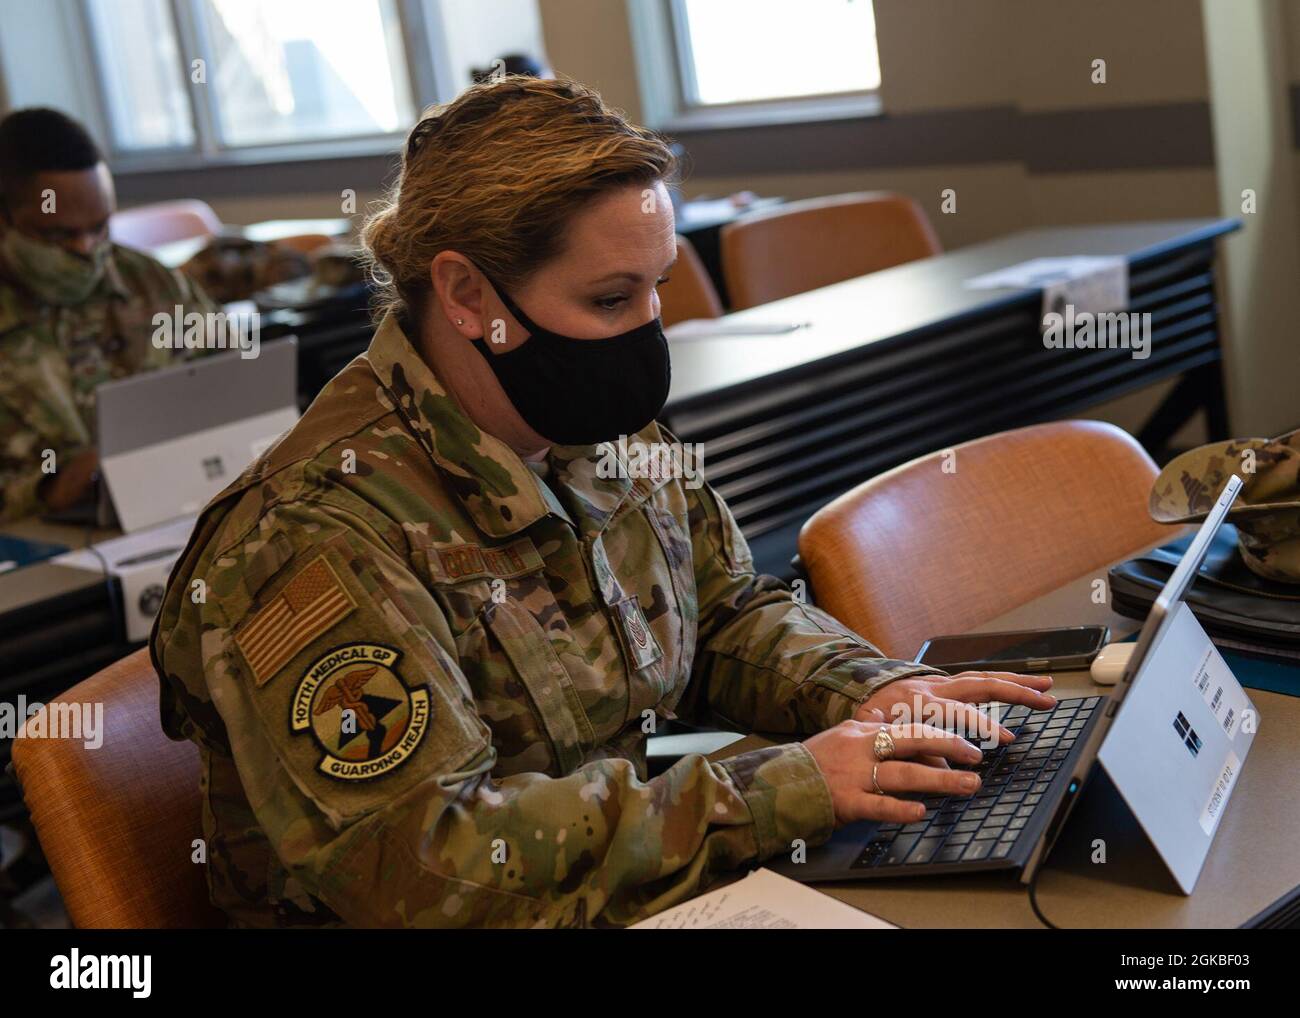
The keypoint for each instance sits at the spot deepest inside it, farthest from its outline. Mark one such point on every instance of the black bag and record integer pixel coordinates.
(1238, 609)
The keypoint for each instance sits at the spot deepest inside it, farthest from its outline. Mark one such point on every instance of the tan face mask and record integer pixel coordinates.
(53, 274)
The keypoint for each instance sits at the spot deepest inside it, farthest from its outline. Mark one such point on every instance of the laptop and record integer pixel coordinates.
(171, 439)
(1172, 737)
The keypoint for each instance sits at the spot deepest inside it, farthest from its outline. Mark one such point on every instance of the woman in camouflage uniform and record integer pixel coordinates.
(422, 642)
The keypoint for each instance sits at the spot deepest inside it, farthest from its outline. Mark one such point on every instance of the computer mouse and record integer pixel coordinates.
(1109, 664)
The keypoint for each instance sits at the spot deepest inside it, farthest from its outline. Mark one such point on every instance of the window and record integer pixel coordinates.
(236, 75)
(146, 95)
(713, 62)
(756, 49)
(305, 70)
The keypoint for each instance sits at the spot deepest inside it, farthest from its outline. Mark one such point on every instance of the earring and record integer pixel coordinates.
(460, 321)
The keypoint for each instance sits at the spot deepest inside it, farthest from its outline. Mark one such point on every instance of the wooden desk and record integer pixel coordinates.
(1250, 878)
(899, 363)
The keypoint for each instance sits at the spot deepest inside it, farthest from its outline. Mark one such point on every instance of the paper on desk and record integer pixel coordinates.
(764, 900)
(708, 328)
(1088, 283)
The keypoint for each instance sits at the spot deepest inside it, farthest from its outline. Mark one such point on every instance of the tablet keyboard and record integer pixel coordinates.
(985, 826)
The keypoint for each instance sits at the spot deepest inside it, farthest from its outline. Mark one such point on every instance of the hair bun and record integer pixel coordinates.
(425, 129)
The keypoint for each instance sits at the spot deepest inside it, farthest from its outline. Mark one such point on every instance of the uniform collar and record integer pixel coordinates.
(501, 494)
(593, 482)
(494, 485)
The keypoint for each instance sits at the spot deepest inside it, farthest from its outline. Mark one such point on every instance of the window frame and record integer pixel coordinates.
(665, 74)
(426, 73)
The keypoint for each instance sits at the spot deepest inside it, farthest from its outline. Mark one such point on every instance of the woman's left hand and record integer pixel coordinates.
(949, 702)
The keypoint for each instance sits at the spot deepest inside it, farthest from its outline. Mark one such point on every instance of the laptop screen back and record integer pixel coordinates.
(172, 439)
(1178, 743)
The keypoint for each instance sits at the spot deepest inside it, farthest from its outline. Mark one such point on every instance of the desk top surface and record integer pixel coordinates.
(905, 299)
(33, 528)
(42, 580)
(1253, 862)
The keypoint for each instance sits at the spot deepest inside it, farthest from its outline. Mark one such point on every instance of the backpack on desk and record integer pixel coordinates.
(1239, 609)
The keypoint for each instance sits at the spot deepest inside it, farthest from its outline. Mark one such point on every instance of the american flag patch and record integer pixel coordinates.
(309, 604)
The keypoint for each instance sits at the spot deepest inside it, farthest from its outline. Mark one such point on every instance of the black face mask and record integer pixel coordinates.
(582, 391)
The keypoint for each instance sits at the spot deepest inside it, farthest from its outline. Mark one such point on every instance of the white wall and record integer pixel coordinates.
(1254, 149)
(43, 60)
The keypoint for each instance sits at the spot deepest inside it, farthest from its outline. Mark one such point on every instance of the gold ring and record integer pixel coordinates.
(883, 747)
(875, 783)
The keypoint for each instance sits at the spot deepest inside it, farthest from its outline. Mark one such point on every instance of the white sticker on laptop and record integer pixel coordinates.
(1222, 694)
(1214, 808)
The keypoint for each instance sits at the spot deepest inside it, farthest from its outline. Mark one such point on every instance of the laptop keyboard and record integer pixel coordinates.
(987, 824)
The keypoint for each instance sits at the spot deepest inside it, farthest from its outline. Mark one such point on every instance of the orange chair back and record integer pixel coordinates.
(802, 245)
(689, 292)
(951, 540)
(118, 823)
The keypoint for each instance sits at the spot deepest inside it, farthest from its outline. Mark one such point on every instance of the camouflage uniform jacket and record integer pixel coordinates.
(52, 358)
(421, 677)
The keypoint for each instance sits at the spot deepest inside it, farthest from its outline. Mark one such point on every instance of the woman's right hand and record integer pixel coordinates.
(846, 756)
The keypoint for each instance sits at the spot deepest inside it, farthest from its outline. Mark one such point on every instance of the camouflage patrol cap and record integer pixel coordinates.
(1266, 513)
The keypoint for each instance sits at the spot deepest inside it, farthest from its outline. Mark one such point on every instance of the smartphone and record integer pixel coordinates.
(1032, 651)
